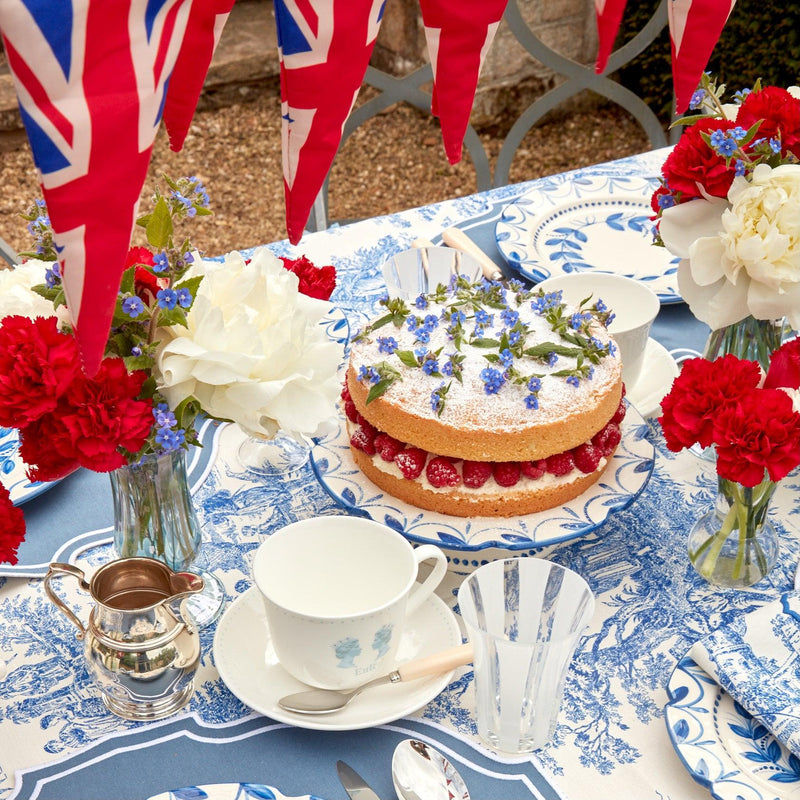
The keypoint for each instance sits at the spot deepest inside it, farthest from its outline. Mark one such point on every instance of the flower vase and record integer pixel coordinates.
(735, 544)
(749, 338)
(154, 517)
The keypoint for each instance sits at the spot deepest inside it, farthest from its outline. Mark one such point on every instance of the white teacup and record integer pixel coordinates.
(337, 593)
(634, 304)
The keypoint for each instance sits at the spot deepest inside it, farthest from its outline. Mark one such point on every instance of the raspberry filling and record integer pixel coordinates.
(443, 472)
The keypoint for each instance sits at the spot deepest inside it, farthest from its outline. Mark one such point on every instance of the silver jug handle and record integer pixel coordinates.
(56, 570)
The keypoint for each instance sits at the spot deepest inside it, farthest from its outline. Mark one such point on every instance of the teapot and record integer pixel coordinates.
(141, 644)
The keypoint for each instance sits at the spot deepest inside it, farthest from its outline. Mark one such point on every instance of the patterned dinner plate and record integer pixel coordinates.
(12, 470)
(594, 223)
(229, 791)
(623, 480)
(721, 745)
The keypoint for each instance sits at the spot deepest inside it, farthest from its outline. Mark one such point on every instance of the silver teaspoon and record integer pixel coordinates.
(326, 701)
(420, 772)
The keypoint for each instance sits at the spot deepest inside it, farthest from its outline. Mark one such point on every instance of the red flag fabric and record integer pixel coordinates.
(324, 48)
(608, 14)
(695, 27)
(90, 77)
(206, 21)
(459, 34)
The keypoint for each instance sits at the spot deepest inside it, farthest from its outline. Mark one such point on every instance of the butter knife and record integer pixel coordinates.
(354, 784)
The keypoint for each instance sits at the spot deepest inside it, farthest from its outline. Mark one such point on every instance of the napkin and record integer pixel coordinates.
(756, 659)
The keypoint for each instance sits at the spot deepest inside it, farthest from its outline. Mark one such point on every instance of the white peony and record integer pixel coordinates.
(254, 351)
(16, 296)
(741, 257)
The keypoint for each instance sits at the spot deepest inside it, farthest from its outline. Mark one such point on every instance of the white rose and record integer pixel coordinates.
(254, 351)
(741, 257)
(16, 296)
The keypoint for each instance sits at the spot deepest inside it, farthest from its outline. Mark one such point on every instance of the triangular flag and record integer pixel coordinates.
(459, 34)
(609, 16)
(695, 27)
(324, 48)
(90, 78)
(206, 21)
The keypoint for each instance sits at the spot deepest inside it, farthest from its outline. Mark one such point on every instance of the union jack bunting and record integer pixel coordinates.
(694, 27)
(324, 48)
(459, 34)
(90, 77)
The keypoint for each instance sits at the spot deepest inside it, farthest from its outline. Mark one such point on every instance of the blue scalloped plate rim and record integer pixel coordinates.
(622, 482)
(550, 230)
(697, 711)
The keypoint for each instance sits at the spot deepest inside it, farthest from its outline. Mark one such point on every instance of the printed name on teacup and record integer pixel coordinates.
(337, 592)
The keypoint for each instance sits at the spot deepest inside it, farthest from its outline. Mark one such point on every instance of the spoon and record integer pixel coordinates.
(420, 772)
(326, 701)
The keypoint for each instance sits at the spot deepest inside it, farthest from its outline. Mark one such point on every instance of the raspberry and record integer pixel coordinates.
(362, 440)
(410, 462)
(350, 411)
(619, 414)
(534, 469)
(442, 472)
(506, 473)
(608, 439)
(560, 464)
(476, 473)
(387, 446)
(345, 392)
(586, 457)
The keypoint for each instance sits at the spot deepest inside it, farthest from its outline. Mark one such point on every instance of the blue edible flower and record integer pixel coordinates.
(132, 306)
(167, 298)
(387, 344)
(493, 380)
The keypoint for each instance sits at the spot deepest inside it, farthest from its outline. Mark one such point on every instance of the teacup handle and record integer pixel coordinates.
(419, 594)
(57, 569)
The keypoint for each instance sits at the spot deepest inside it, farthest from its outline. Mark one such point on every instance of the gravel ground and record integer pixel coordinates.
(393, 162)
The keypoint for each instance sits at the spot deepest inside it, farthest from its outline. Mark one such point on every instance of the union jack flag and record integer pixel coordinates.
(694, 27)
(91, 78)
(324, 48)
(459, 34)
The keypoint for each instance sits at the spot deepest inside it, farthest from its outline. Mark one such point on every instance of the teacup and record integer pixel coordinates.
(337, 593)
(634, 304)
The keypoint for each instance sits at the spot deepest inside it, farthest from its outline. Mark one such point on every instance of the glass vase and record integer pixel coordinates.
(750, 338)
(154, 517)
(735, 544)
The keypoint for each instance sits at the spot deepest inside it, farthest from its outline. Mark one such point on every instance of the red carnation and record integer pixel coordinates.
(694, 162)
(37, 365)
(784, 367)
(146, 283)
(45, 447)
(759, 432)
(699, 393)
(779, 114)
(315, 281)
(12, 528)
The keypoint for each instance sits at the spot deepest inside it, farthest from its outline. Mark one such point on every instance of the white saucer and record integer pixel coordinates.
(655, 380)
(247, 664)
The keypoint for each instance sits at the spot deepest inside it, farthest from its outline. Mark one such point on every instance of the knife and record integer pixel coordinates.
(354, 784)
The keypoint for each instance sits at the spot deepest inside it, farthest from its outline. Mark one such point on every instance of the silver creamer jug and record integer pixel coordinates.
(140, 643)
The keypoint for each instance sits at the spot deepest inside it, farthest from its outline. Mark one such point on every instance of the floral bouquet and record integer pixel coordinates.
(238, 340)
(753, 422)
(729, 206)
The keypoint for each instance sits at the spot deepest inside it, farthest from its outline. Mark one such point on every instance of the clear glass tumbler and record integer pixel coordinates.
(524, 617)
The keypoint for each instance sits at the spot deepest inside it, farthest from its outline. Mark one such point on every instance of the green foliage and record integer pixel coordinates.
(760, 40)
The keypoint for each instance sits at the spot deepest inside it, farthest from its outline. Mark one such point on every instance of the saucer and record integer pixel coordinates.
(655, 380)
(247, 664)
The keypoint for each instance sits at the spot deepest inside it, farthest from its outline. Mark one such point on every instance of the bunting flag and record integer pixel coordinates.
(459, 34)
(206, 22)
(324, 48)
(90, 77)
(695, 27)
(608, 14)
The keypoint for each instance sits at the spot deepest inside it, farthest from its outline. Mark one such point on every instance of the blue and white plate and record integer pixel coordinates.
(618, 487)
(721, 745)
(12, 470)
(229, 791)
(593, 223)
